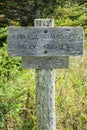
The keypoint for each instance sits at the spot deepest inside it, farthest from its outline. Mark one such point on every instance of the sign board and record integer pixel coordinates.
(45, 41)
(44, 22)
(45, 63)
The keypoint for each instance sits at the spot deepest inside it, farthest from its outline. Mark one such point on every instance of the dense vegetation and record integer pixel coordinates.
(17, 86)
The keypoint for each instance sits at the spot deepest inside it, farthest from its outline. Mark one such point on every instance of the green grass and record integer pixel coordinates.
(71, 95)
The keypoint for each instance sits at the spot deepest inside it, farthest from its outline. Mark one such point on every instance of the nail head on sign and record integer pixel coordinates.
(45, 31)
(45, 52)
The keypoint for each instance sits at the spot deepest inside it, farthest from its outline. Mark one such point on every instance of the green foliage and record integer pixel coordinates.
(3, 35)
(3, 32)
(16, 91)
(71, 96)
(17, 86)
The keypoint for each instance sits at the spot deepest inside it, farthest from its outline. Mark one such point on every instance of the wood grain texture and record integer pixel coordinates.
(45, 94)
(45, 99)
(45, 41)
(44, 22)
(45, 63)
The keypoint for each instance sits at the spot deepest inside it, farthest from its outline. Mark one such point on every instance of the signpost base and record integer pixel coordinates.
(45, 99)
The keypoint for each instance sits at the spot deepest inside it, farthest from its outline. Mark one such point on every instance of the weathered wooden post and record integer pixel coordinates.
(45, 90)
(44, 48)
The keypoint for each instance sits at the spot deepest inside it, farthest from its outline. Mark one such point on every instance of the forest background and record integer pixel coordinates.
(17, 85)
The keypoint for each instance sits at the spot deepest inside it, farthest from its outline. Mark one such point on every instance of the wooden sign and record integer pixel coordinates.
(45, 63)
(44, 22)
(45, 41)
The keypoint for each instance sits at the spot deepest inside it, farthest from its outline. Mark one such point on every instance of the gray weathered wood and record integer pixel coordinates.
(45, 95)
(45, 41)
(45, 100)
(45, 63)
(44, 22)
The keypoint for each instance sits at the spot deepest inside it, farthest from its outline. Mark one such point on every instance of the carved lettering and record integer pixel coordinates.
(32, 41)
(32, 36)
(20, 36)
(23, 46)
(43, 35)
(50, 46)
(32, 46)
(53, 46)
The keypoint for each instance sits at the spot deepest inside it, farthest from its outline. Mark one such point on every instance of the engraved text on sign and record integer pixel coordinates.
(44, 41)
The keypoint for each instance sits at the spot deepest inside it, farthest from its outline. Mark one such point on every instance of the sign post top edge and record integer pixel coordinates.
(57, 27)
